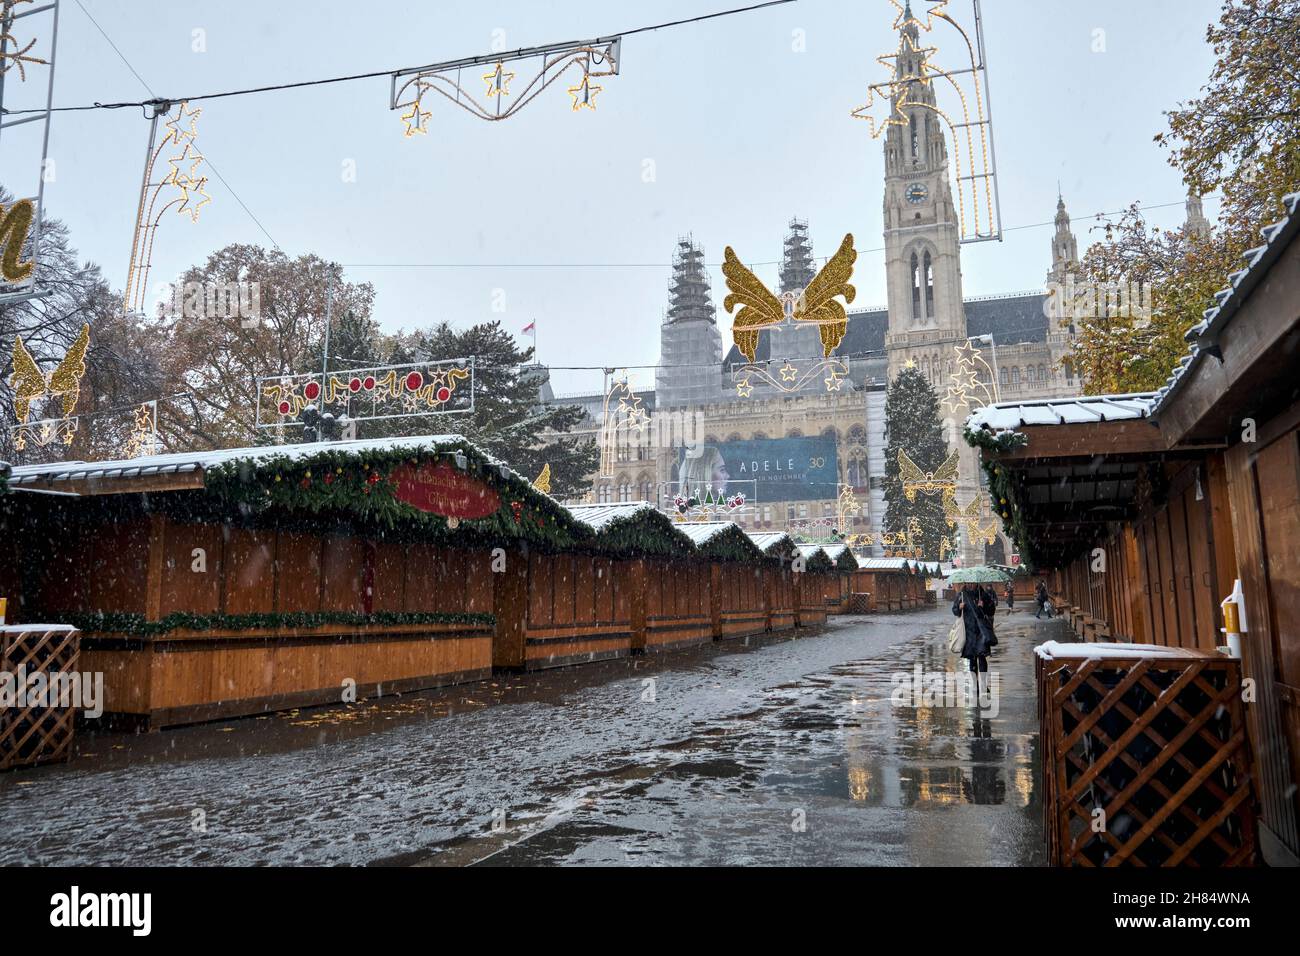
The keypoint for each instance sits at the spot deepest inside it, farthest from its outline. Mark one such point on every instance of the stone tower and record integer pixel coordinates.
(1196, 225)
(927, 320)
(690, 345)
(1065, 248)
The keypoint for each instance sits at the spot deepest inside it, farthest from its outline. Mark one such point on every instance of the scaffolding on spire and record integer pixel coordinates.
(797, 269)
(690, 294)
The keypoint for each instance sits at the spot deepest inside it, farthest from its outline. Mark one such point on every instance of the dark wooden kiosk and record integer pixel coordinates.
(780, 597)
(736, 602)
(812, 583)
(217, 584)
(1145, 509)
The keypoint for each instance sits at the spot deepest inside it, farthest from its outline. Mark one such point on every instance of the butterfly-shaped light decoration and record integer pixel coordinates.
(943, 478)
(969, 518)
(543, 481)
(760, 309)
(30, 383)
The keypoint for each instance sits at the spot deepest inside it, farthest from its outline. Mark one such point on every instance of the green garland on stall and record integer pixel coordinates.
(732, 544)
(360, 486)
(644, 532)
(846, 561)
(1005, 495)
(819, 562)
(113, 622)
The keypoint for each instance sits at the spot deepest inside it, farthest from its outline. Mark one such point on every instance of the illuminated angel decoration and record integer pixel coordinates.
(943, 478)
(761, 309)
(543, 481)
(30, 384)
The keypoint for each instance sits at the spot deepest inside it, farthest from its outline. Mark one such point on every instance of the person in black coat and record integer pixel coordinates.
(979, 633)
(989, 606)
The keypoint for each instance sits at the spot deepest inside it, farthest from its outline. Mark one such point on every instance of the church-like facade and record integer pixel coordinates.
(793, 431)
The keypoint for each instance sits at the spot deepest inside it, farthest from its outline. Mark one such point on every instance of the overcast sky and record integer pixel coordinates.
(550, 213)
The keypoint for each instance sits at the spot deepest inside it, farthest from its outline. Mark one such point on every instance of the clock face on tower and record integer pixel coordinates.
(917, 193)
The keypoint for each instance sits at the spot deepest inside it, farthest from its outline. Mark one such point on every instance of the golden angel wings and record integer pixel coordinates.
(760, 309)
(30, 383)
(943, 478)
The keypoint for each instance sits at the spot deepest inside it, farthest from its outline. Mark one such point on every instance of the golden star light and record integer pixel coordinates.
(415, 118)
(584, 94)
(498, 81)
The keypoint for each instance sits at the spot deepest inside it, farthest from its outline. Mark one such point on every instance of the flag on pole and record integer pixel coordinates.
(530, 329)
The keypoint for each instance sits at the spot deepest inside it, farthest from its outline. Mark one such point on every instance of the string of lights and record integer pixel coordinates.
(326, 81)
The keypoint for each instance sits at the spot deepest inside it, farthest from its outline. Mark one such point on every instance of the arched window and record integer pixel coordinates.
(1031, 374)
(624, 491)
(1002, 376)
(604, 493)
(916, 288)
(929, 286)
(1042, 373)
(1015, 375)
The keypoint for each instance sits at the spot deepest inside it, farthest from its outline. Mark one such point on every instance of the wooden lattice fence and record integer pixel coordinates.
(1145, 759)
(32, 731)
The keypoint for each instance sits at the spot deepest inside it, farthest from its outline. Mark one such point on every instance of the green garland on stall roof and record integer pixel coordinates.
(818, 563)
(846, 561)
(644, 532)
(359, 484)
(4, 477)
(134, 624)
(1005, 494)
(732, 544)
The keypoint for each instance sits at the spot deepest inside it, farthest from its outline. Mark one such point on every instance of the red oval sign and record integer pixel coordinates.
(443, 490)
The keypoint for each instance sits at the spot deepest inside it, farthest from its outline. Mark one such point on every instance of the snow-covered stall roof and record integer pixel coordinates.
(1011, 416)
(702, 532)
(1054, 649)
(898, 564)
(768, 540)
(633, 527)
(190, 461)
(599, 516)
(1203, 336)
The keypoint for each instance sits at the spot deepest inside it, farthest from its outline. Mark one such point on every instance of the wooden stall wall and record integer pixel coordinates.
(811, 588)
(578, 610)
(737, 599)
(677, 607)
(183, 676)
(779, 597)
(1262, 480)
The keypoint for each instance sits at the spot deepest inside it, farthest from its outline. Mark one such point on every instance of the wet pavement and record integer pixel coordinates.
(780, 751)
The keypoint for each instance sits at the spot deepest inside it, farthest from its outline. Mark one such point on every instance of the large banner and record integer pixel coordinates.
(782, 469)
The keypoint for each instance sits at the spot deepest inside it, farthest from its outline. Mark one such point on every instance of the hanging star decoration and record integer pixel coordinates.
(16, 57)
(31, 384)
(415, 118)
(15, 224)
(743, 388)
(584, 94)
(789, 372)
(188, 181)
(498, 81)
(543, 481)
(914, 479)
(834, 379)
(905, 14)
(818, 305)
(971, 382)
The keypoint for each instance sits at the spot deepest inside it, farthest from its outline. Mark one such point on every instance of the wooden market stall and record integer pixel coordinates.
(736, 594)
(1146, 509)
(780, 598)
(217, 584)
(837, 587)
(812, 582)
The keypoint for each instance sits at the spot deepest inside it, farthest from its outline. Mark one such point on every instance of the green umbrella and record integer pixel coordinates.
(980, 574)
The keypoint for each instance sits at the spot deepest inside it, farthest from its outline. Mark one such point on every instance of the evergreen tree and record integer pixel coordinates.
(508, 421)
(912, 424)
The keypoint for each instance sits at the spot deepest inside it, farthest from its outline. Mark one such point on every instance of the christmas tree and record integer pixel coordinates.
(912, 425)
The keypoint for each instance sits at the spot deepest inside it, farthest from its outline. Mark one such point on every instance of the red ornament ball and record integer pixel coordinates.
(284, 408)
(369, 383)
(354, 385)
(414, 381)
(311, 390)
(444, 393)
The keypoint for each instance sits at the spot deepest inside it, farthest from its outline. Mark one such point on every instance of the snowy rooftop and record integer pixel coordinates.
(702, 532)
(1054, 649)
(767, 539)
(1061, 411)
(896, 564)
(597, 517)
(188, 461)
(1229, 299)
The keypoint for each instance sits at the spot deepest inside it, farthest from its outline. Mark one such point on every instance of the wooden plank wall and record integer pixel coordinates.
(578, 609)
